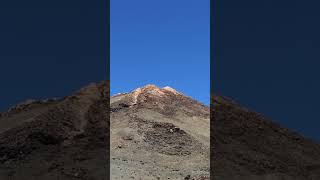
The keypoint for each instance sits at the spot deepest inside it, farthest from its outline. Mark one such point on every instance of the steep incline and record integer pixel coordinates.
(159, 134)
(57, 139)
(247, 146)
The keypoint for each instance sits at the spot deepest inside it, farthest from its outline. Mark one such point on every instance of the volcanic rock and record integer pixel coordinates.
(159, 133)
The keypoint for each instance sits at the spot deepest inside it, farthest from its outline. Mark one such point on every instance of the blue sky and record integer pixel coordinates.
(269, 62)
(163, 43)
(50, 49)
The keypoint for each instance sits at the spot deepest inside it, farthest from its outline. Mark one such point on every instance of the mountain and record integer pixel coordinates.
(159, 133)
(248, 146)
(57, 139)
(156, 133)
(152, 133)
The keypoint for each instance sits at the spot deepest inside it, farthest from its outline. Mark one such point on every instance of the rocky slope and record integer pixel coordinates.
(248, 146)
(159, 133)
(57, 139)
(156, 133)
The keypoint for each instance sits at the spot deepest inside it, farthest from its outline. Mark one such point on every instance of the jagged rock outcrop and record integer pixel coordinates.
(159, 133)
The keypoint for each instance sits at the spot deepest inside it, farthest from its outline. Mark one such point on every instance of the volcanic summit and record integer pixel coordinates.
(159, 133)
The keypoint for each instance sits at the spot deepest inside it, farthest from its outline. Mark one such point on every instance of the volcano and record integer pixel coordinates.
(159, 133)
(148, 133)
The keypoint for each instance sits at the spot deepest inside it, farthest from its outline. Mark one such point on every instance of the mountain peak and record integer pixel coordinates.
(150, 89)
(150, 86)
(155, 90)
(162, 128)
(161, 99)
(168, 88)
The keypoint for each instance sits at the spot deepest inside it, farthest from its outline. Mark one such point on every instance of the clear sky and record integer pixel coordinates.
(267, 58)
(50, 48)
(163, 43)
